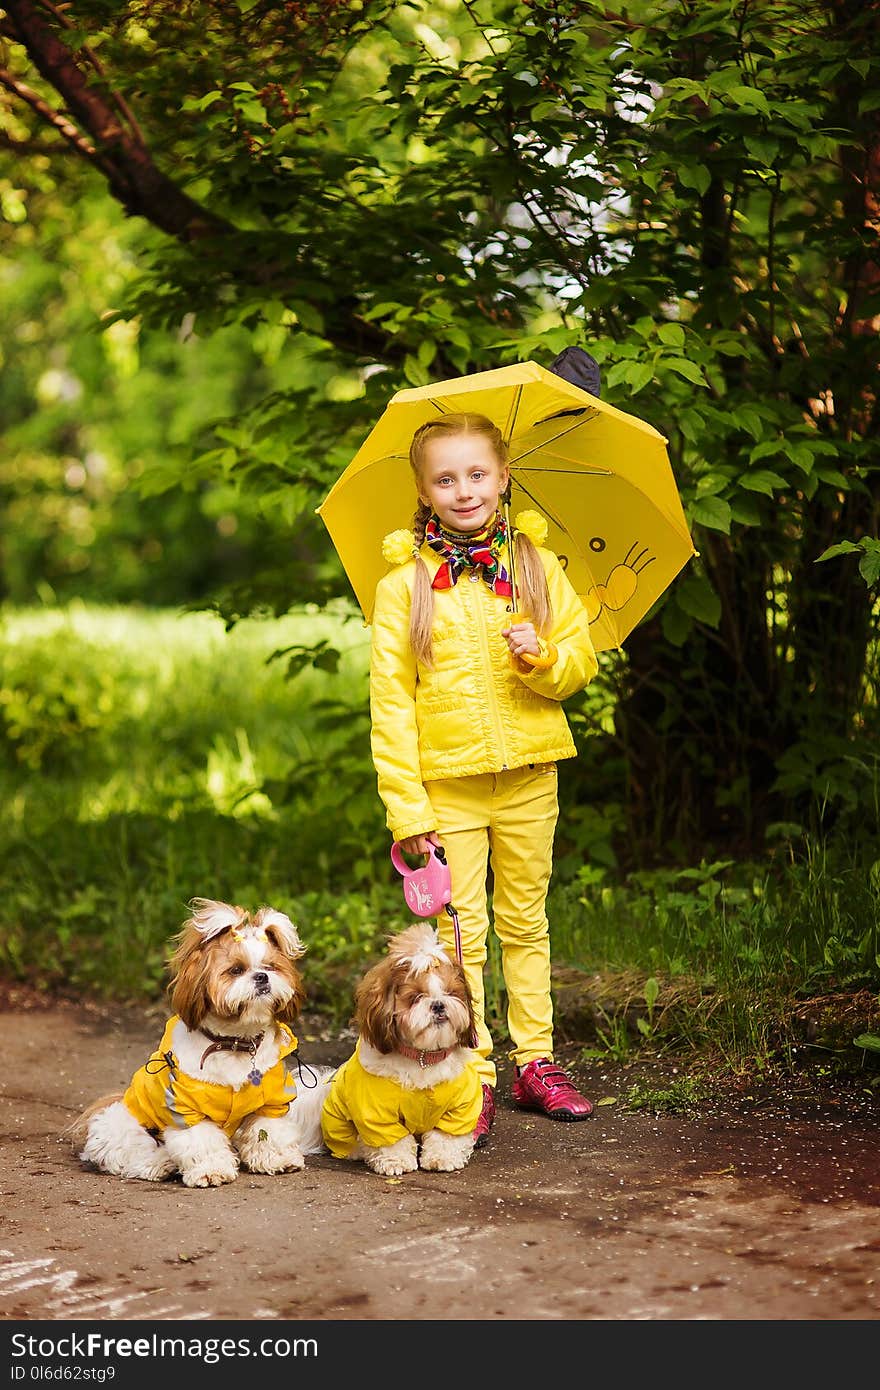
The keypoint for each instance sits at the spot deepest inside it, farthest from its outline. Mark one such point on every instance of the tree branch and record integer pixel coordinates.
(46, 113)
(141, 188)
(93, 58)
(9, 142)
(144, 191)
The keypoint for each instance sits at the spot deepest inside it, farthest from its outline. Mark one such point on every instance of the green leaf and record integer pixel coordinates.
(415, 373)
(802, 456)
(677, 625)
(635, 375)
(308, 316)
(765, 449)
(763, 147)
(614, 375)
(711, 512)
(746, 511)
(697, 597)
(427, 351)
(869, 567)
(685, 368)
(869, 1040)
(201, 103)
(750, 96)
(841, 548)
(695, 176)
(712, 483)
(832, 476)
(671, 333)
(762, 480)
(749, 419)
(639, 376)
(252, 111)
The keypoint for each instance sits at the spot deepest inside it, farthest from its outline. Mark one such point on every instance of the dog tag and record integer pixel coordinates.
(254, 1076)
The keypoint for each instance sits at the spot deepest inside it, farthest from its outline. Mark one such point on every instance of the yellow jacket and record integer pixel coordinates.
(473, 712)
(161, 1096)
(379, 1111)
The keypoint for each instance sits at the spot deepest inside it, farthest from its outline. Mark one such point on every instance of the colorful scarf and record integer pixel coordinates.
(479, 551)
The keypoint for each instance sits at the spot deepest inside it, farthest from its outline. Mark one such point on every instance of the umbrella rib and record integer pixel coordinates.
(571, 472)
(562, 433)
(507, 432)
(546, 510)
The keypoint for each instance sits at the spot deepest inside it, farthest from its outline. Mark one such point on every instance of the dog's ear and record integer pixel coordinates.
(374, 1008)
(279, 925)
(209, 918)
(188, 988)
(294, 1006)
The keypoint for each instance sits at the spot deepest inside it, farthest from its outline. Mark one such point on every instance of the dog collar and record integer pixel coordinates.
(424, 1059)
(223, 1044)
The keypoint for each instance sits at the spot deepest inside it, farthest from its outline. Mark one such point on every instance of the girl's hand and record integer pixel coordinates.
(420, 844)
(522, 639)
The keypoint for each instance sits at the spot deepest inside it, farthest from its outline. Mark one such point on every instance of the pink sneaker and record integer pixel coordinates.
(487, 1115)
(542, 1085)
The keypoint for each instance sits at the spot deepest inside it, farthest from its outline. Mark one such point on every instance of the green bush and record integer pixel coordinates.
(51, 700)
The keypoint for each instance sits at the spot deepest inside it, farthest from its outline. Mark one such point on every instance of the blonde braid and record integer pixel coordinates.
(531, 582)
(421, 613)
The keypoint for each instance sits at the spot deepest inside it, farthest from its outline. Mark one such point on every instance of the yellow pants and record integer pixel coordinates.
(507, 819)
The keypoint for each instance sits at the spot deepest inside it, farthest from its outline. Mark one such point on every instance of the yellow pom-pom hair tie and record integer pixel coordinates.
(533, 525)
(398, 547)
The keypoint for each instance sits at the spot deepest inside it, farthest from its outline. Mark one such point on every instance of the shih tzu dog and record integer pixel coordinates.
(220, 1091)
(410, 1095)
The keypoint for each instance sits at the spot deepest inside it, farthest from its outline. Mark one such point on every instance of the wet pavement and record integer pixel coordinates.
(763, 1207)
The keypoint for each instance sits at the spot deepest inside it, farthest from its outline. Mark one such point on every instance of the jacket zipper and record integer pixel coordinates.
(492, 694)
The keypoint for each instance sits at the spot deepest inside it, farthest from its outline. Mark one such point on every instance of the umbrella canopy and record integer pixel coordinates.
(600, 477)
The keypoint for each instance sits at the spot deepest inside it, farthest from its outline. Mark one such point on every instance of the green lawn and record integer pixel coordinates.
(152, 757)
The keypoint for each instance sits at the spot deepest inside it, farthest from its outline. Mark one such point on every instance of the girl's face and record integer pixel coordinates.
(461, 480)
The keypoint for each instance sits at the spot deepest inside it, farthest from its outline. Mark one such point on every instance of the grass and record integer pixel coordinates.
(150, 757)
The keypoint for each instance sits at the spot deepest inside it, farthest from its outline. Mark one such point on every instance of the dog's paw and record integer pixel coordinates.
(213, 1174)
(156, 1171)
(392, 1167)
(445, 1153)
(272, 1158)
(402, 1157)
(441, 1163)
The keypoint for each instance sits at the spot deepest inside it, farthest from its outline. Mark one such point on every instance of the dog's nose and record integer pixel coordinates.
(438, 1008)
(261, 981)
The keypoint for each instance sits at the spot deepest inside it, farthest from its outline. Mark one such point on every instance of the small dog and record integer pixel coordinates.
(410, 1096)
(220, 1089)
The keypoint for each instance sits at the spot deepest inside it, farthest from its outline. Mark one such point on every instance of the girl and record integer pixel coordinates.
(467, 727)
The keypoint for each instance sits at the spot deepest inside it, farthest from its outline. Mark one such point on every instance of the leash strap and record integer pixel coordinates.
(304, 1067)
(457, 931)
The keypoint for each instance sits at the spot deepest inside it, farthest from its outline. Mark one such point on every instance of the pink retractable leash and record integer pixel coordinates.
(427, 889)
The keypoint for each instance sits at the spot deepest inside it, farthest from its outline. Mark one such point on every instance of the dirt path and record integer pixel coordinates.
(768, 1209)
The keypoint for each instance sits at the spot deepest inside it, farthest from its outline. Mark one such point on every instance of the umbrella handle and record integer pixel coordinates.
(540, 663)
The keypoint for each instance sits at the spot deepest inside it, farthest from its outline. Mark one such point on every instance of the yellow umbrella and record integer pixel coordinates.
(601, 478)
